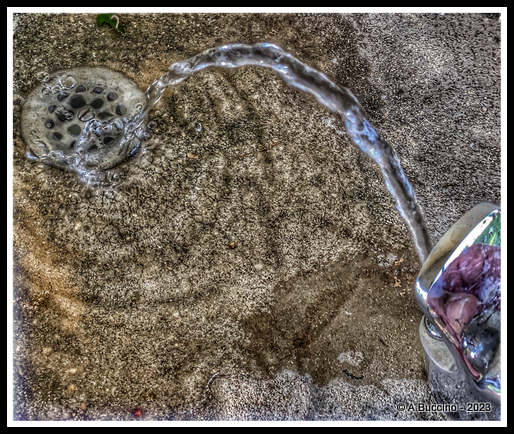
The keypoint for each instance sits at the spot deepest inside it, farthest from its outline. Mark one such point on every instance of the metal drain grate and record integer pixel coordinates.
(75, 118)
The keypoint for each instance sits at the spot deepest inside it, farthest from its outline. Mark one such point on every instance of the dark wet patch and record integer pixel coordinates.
(306, 327)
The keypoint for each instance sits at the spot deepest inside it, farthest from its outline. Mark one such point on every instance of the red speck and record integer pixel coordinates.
(137, 412)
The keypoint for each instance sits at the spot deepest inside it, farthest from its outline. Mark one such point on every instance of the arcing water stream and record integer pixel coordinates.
(337, 99)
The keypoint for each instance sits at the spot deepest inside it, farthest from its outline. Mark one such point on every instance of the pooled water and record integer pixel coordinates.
(91, 152)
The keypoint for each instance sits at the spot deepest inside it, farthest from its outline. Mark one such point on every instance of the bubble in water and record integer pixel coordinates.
(68, 82)
(42, 76)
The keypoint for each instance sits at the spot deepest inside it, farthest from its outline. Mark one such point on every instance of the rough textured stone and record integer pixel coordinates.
(249, 263)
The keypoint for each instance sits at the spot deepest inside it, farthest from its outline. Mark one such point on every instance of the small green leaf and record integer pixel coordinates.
(113, 22)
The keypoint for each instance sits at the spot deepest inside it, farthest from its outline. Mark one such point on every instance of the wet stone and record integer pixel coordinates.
(52, 108)
(57, 136)
(80, 89)
(77, 101)
(97, 103)
(98, 89)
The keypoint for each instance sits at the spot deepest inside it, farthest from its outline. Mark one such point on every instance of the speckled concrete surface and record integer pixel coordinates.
(249, 263)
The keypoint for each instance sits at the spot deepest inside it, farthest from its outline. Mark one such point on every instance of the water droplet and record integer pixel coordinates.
(198, 127)
(30, 155)
(68, 81)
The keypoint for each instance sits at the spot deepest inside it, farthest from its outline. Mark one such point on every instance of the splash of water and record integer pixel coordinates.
(337, 99)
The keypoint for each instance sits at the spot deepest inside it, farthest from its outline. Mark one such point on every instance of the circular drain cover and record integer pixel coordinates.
(75, 119)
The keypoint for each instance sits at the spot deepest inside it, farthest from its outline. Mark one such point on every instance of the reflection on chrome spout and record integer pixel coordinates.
(459, 291)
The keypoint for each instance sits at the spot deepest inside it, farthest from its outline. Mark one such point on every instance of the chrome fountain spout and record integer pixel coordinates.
(459, 291)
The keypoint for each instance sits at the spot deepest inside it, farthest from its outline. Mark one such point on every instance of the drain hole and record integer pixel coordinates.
(49, 123)
(77, 101)
(104, 115)
(62, 96)
(74, 130)
(97, 103)
(121, 110)
(108, 140)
